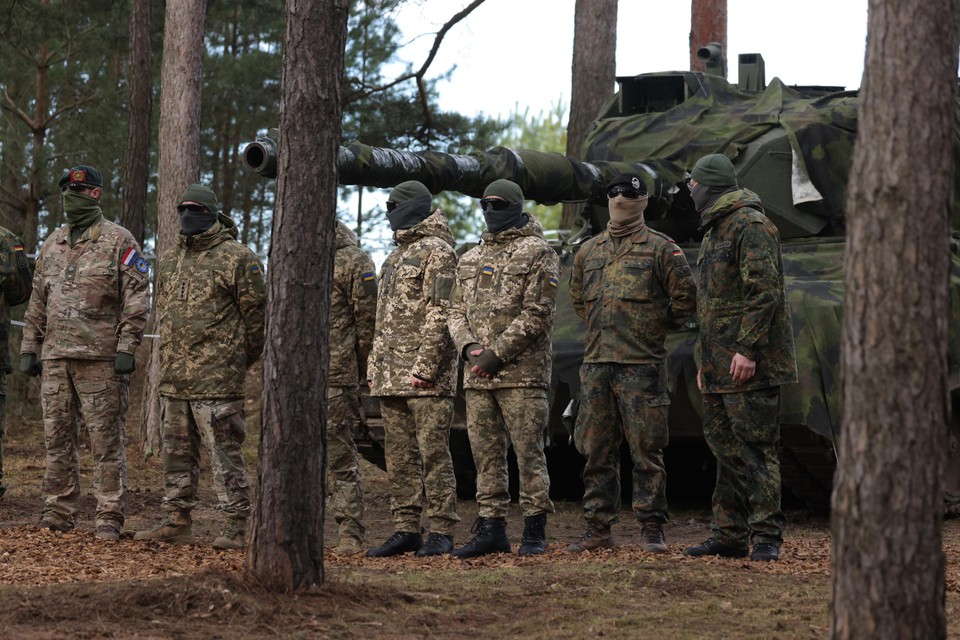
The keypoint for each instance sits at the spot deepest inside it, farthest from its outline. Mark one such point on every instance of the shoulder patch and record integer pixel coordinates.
(141, 265)
(129, 257)
(369, 276)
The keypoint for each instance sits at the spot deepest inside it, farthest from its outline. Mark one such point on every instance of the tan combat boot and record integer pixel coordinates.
(175, 529)
(233, 535)
(597, 536)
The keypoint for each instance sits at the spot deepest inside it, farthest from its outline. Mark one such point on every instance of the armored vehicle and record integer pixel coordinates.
(792, 145)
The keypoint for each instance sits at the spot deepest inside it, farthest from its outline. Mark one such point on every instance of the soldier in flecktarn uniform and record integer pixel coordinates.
(82, 327)
(353, 312)
(631, 285)
(210, 308)
(501, 320)
(413, 370)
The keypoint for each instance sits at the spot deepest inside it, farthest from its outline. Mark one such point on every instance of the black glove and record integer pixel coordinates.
(125, 363)
(473, 346)
(490, 362)
(30, 364)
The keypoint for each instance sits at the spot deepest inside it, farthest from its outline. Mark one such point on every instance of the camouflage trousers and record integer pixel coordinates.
(220, 424)
(617, 402)
(343, 416)
(419, 465)
(91, 391)
(743, 432)
(495, 419)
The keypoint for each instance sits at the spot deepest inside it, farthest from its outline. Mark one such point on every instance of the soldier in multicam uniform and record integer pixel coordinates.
(82, 327)
(746, 353)
(353, 312)
(16, 285)
(631, 285)
(210, 309)
(502, 323)
(413, 371)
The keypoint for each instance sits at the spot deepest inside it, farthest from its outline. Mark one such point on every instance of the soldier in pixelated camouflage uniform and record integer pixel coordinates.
(746, 353)
(353, 312)
(16, 285)
(502, 324)
(631, 285)
(210, 310)
(82, 327)
(413, 370)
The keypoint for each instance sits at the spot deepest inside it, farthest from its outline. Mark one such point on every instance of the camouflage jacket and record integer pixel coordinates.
(414, 299)
(353, 310)
(90, 300)
(630, 296)
(741, 303)
(210, 308)
(504, 299)
(16, 284)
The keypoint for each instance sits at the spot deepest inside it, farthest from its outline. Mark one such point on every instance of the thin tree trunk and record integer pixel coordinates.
(888, 562)
(179, 163)
(708, 23)
(137, 162)
(286, 544)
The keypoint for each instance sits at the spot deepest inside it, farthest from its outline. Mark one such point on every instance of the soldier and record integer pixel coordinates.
(82, 327)
(413, 371)
(502, 323)
(631, 285)
(746, 354)
(210, 307)
(353, 311)
(16, 284)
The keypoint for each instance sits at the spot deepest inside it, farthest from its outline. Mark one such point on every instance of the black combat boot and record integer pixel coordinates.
(711, 547)
(491, 537)
(399, 542)
(437, 544)
(765, 552)
(534, 539)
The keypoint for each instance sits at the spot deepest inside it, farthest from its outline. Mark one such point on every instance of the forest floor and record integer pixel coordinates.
(56, 585)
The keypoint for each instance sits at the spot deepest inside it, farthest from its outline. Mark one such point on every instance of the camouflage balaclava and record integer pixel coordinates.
(193, 222)
(715, 176)
(509, 216)
(413, 205)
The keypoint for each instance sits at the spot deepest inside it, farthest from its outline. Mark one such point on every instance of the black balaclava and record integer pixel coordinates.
(414, 203)
(193, 223)
(509, 217)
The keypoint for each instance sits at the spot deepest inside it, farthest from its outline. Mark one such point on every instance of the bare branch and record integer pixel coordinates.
(11, 106)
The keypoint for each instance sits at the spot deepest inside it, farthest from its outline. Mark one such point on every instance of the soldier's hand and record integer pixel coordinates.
(125, 363)
(471, 351)
(30, 364)
(488, 364)
(418, 382)
(742, 368)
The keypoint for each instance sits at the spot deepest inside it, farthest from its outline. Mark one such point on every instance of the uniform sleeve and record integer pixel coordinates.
(760, 278)
(364, 302)
(35, 317)
(438, 279)
(17, 278)
(457, 321)
(536, 313)
(134, 296)
(678, 284)
(576, 283)
(251, 296)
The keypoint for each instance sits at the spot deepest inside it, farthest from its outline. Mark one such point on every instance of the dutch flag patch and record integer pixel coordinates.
(129, 257)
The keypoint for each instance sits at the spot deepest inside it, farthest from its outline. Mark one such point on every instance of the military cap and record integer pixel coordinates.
(201, 194)
(408, 190)
(82, 175)
(630, 180)
(509, 191)
(715, 170)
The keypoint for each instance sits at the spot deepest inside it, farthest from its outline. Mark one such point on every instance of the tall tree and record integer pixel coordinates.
(286, 545)
(179, 162)
(888, 562)
(594, 75)
(136, 169)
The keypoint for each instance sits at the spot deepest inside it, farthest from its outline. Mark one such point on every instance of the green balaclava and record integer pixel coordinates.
(196, 222)
(511, 215)
(715, 176)
(413, 205)
(81, 210)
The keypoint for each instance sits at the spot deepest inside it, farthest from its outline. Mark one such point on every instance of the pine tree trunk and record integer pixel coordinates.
(137, 162)
(888, 562)
(285, 551)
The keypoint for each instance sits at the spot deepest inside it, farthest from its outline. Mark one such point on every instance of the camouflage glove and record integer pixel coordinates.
(125, 363)
(489, 362)
(30, 364)
(473, 346)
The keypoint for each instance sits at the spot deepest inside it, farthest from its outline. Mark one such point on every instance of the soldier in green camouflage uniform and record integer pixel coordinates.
(210, 310)
(353, 312)
(413, 371)
(16, 285)
(84, 323)
(502, 323)
(631, 285)
(746, 353)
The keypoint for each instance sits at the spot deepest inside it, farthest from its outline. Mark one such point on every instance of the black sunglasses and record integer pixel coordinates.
(193, 208)
(391, 205)
(626, 192)
(497, 204)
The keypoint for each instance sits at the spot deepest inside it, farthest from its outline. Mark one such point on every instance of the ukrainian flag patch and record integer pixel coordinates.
(487, 271)
(553, 281)
(368, 277)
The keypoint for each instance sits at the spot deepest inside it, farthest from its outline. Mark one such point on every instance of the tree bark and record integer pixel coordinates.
(285, 552)
(137, 162)
(179, 162)
(888, 563)
(594, 76)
